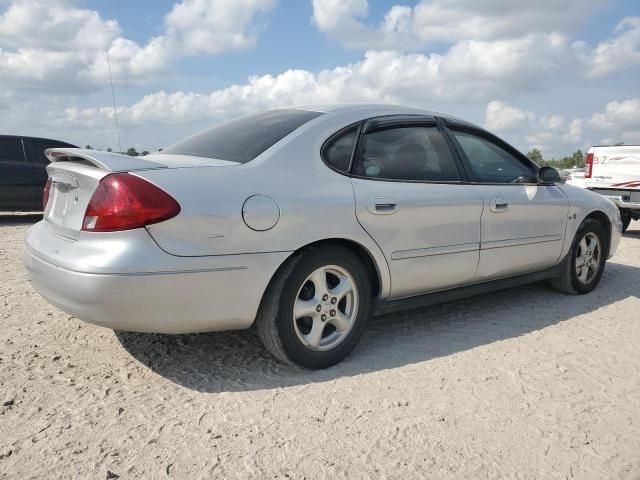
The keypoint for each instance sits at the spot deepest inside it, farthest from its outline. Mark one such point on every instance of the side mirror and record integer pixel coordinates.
(550, 175)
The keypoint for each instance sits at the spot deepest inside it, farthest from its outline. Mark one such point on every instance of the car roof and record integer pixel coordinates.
(27, 137)
(370, 110)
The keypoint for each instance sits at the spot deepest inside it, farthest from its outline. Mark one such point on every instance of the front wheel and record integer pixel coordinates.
(316, 308)
(585, 262)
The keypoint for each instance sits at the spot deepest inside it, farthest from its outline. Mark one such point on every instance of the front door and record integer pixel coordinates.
(409, 198)
(523, 221)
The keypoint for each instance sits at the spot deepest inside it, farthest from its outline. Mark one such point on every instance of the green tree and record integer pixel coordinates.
(132, 152)
(578, 158)
(109, 149)
(535, 155)
(145, 152)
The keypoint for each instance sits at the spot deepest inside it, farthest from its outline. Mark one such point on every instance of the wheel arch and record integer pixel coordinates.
(380, 285)
(365, 256)
(602, 218)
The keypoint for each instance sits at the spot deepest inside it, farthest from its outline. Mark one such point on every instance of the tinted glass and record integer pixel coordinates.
(337, 153)
(406, 153)
(243, 139)
(37, 148)
(491, 163)
(11, 150)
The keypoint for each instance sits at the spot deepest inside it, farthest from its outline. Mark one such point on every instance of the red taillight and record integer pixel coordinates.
(45, 194)
(589, 165)
(123, 201)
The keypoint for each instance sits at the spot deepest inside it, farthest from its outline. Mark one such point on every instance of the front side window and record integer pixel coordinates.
(406, 153)
(337, 152)
(11, 150)
(491, 163)
(243, 139)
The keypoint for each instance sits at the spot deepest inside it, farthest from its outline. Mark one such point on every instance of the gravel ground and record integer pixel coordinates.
(524, 383)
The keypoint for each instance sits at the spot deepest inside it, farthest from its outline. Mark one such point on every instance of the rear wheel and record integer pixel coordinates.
(316, 308)
(585, 262)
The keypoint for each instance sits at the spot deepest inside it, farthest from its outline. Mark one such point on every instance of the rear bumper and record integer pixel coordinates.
(621, 198)
(205, 294)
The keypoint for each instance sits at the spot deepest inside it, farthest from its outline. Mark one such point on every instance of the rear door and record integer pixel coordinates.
(16, 180)
(523, 221)
(411, 200)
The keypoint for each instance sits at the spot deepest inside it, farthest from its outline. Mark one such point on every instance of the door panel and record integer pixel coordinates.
(526, 234)
(38, 162)
(431, 238)
(21, 186)
(16, 176)
(523, 222)
(409, 201)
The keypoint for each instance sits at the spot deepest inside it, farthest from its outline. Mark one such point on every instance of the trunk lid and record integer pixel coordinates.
(75, 174)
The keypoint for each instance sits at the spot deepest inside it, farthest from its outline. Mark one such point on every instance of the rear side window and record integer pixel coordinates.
(337, 152)
(406, 153)
(243, 139)
(11, 150)
(491, 163)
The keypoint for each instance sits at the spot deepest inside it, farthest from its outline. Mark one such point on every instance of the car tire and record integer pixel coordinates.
(581, 271)
(305, 323)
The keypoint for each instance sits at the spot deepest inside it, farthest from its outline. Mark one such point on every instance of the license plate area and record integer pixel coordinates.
(64, 198)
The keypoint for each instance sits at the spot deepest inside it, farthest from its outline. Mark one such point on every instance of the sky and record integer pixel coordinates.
(557, 75)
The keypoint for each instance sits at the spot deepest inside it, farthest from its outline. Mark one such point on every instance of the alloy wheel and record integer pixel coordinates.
(588, 258)
(325, 308)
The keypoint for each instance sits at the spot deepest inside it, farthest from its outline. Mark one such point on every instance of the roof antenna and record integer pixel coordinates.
(113, 96)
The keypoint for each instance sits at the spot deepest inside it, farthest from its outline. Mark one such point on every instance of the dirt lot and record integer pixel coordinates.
(524, 383)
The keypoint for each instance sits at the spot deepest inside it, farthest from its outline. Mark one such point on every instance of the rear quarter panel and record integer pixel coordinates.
(315, 202)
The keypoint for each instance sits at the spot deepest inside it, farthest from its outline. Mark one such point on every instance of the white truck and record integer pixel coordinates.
(614, 171)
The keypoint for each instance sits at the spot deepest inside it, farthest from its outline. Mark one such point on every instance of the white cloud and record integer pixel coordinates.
(213, 26)
(549, 133)
(621, 52)
(490, 54)
(500, 116)
(491, 32)
(555, 135)
(448, 20)
(618, 114)
(62, 47)
(55, 25)
(473, 71)
(620, 121)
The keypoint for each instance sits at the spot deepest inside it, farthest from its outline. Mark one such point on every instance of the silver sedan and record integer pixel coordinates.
(307, 221)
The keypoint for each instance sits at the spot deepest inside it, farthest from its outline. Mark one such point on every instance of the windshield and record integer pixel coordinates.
(243, 139)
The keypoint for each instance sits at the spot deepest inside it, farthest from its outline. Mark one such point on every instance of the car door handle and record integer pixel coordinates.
(381, 206)
(498, 205)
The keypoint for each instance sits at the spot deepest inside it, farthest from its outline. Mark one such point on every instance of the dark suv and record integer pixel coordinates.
(23, 171)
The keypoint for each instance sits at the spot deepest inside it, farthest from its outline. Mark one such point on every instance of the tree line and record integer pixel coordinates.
(575, 160)
(131, 151)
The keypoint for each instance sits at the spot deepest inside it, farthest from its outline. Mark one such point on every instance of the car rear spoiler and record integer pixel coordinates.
(111, 162)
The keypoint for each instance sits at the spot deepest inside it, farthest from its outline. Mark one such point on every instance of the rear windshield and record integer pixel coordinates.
(243, 139)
